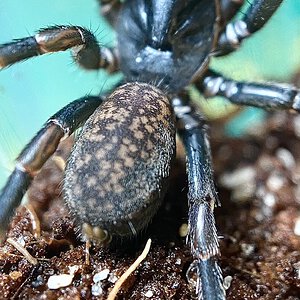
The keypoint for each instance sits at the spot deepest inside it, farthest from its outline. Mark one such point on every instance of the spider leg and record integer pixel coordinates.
(86, 50)
(257, 15)
(39, 149)
(202, 237)
(268, 96)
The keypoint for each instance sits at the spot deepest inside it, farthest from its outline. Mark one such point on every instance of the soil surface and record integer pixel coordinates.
(257, 178)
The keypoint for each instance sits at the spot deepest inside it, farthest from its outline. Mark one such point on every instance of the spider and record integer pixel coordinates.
(118, 170)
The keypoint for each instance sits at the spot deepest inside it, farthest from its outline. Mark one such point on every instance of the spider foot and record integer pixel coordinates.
(203, 241)
(206, 277)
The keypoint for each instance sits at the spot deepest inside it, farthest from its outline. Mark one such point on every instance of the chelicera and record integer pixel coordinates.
(118, 170)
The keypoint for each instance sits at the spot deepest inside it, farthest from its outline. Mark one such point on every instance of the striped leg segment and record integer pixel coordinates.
(257, 15)
(39, 149)
(86, 50)
(267, 96)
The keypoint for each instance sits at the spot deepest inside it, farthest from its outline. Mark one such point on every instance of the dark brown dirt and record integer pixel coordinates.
(258, 183)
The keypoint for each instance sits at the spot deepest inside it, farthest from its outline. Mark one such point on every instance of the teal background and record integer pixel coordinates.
(33, 90)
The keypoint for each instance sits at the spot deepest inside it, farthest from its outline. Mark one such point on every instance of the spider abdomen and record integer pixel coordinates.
(117, 170)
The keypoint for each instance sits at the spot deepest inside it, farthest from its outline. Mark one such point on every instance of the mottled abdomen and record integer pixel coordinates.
(116, 173)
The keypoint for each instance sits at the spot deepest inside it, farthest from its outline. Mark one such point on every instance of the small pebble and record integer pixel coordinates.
(269, 199)
(112, 278)
(62, 280)
(149, 294)
(38, 282)
(275, 181)
(297, 227)
(101, 275)
(57, 281)
(73, 269)
(286, 158)
(227, 282)
(97, 289)
(297, 269)
(247, 249)
(297, 125)
(238, 177)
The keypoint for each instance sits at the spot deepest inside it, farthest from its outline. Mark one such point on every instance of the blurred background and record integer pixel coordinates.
(33, 90)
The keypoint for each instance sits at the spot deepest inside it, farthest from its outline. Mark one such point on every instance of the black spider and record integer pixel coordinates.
(116, 174)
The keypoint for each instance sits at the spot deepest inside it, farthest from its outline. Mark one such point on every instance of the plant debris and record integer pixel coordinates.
(113, 293)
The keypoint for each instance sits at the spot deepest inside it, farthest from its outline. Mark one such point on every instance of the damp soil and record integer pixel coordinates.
(257, 179)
